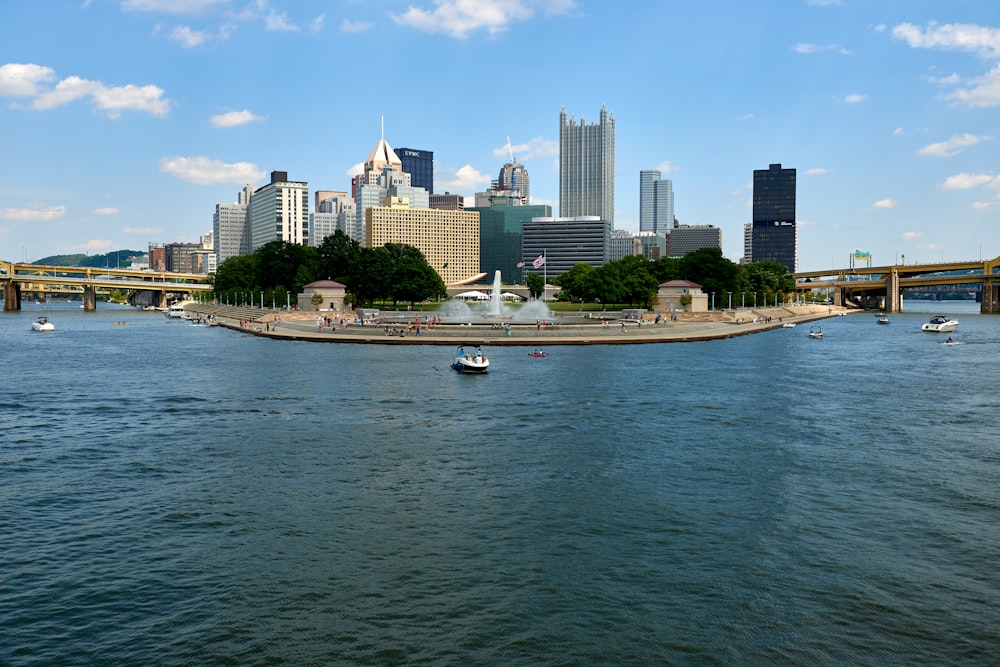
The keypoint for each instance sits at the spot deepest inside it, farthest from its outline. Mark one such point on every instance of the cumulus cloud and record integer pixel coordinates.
(23, 80)
(278, 21)
(355, 170)
(189, 38)
(534, 148)
(205, 171)
(986, 205)
(952, 146)
(107, 210)
(355, 26)
(458, 18)
(235, 118)
(982, 41)
(981, 92)
(33, 213)
(855, 98)
(966, 181)
(465, 179)
(885, 203)
(173, 6)
(667, 167)
(111, 100)
(807, 49)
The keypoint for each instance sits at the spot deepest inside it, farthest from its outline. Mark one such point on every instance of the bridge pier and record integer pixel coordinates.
(89, 299)
(11, 295)
(991, 296)
(893, 294)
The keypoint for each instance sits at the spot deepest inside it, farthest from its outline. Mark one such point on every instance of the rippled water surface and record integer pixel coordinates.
(175, 494)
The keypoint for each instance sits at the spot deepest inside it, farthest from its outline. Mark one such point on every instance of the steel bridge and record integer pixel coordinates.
(882, 286)
(88, 280)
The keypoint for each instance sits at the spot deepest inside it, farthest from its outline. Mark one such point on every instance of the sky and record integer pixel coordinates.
(126, 121)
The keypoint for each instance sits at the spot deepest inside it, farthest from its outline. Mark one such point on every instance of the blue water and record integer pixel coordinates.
(182, 495)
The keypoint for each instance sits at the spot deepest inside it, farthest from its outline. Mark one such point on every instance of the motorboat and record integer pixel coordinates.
(176, 310)
(43, 324)
(788, 325)
(882, 318)
(474, 361)
(538, 352)
(940, 324)
(815, 332)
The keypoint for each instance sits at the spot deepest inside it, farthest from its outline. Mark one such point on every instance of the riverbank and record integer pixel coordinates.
(344, 328)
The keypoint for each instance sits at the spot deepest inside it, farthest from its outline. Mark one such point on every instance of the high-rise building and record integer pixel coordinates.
(656, 202)
(335, 211)
(231, 228)
(383, 177)
(419, 164)
(279, 211)
(563, 243)
(510, 188)
(774, 231)
(500, 237)
(446, 202)
(449, 240)
(747, 243)
(651, 245)
(688, 238)
(587, 167)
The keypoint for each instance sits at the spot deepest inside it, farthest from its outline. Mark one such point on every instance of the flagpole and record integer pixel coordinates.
(545, 273)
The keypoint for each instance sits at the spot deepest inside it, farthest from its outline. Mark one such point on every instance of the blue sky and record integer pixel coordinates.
(127, 121)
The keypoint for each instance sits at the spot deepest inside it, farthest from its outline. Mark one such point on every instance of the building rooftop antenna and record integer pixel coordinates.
(510, 150)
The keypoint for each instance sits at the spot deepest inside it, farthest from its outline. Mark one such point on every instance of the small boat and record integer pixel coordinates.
(881, 318)
(940, 324)
(815, 332)
(474, 362)
(788, 325)
(43, 324)
(539, 352)
(176, 310)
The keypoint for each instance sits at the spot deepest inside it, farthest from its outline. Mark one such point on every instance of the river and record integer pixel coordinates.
(174, 494)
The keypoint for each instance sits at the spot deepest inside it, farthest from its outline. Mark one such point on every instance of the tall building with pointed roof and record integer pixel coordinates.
(383, 176)
(587, 166)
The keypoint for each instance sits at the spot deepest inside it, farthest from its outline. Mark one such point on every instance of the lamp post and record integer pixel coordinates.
(755, 299)
(743, 299)
(288, 300)
(730, 301)
(713, 300)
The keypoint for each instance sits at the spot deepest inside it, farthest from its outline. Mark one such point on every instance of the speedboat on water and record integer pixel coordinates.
(882, 318)
(43, 324)
(815, 332)
(470, 362)
(940, 324)
(175, 310)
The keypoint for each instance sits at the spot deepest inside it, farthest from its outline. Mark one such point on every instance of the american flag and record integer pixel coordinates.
(539, 261)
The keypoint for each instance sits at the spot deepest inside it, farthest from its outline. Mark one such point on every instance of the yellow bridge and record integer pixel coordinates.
(882, 286)
(88, 280)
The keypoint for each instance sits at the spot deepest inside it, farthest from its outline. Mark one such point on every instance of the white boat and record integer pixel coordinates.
(940, 324)
(882, 318)
(788, 325)
(176, 310)
(43, 324)
(815, 332)
(471, 362)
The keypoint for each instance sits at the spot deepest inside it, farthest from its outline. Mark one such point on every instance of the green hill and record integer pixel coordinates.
(113, 260)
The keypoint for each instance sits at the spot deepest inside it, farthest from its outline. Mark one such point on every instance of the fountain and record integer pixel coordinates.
(494, 310)
(495, 307)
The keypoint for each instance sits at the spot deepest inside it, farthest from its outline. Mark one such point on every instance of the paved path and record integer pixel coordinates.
(526, 334)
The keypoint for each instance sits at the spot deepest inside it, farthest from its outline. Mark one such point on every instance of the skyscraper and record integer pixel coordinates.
(587, 167)
(419, 164)
(231, 228)
(656, 202)
(279, 211)
(774, 237)
(383, 176)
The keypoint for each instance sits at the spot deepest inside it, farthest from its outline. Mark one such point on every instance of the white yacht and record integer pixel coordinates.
(940, 324)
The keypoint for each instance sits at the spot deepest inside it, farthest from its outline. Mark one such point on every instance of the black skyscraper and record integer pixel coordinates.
(774, 235)
(420, 166)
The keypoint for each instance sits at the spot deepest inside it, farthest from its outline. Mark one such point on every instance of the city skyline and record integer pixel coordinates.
(128, 121)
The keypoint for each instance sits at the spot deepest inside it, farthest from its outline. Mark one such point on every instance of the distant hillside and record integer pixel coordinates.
(115, 259)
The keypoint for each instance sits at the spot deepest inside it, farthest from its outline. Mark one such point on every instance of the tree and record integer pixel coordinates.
(283, 263)
(335, 255)
(371, 275)
(536, 285)
(708, 268)
(578, 282)
(237, 273)
(415, 280)
(767, 277)
(638, 283)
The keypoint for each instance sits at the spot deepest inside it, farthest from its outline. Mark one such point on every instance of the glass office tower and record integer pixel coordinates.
(656, 203)
(587, 167)
(419, 164)
(774, 232)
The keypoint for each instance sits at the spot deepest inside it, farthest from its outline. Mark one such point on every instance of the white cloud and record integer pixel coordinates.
(107, 210)
(112, 100)
(885, 203)
(23, 80)
(35, 213)
(458, 18)
(855, 98)
(666, 167)
(817, 171)
(984, 42)
(356, 170)
(984, 91)
(898, 132)
(355, 26)
(278, 21)
(534, 148)
(205, 171)
(97, 244)
(465, 179)
(824, 3)
(952, 146)
(235, 118)
(966, 181)
(909, 236)
(987, 205)
(806, 49)
(189, 38)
